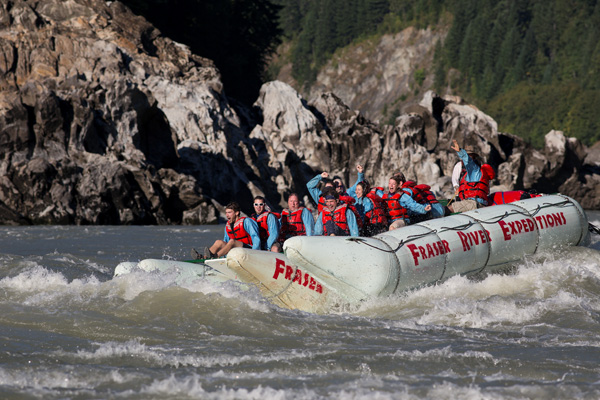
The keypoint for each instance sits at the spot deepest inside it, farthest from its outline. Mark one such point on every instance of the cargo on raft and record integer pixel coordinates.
(320, 273)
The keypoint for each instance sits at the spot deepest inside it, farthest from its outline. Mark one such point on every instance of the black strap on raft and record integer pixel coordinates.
(593, 229)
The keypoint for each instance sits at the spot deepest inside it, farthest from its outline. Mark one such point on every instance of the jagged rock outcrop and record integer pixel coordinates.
(419, 145)
(105, 121)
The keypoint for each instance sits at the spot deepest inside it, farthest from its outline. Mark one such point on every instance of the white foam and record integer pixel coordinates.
(169, 357)
(548, 283)
(192, 386)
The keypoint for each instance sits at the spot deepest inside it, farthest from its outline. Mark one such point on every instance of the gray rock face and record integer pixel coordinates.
(105, 121)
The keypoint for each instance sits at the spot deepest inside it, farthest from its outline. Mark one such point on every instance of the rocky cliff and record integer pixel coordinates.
(105, 121)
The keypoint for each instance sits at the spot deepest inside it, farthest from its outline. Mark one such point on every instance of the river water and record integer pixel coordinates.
(69, 330)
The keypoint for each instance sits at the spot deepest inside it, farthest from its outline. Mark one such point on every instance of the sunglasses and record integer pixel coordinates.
(259, 204)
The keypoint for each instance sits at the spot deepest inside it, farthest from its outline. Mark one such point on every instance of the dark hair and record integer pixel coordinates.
(293, 194)
(329, 191)
(398, 177)
(259, 198)
(364, 186)
(476, 158)
(233, 206)
(326, 181)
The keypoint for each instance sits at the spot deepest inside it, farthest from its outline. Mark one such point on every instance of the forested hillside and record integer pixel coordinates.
(531, 64)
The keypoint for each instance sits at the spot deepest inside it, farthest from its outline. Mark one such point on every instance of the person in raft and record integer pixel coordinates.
(400, 204)
(268, 225)
(336, 219)
(295, 220)
(474, 186)
(369, 205)
(317, 194)
(239, 232)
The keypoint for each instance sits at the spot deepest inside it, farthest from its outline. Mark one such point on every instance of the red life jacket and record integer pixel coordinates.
(344, 198)
(238, 232)
(509, 197)
(422, 194)
(291, 224)
(377, 214)
(263, 226)
(376, 189)
(479, 189)
(394, 210)
(338, 216)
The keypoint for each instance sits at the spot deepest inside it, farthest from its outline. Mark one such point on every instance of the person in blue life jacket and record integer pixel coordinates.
(315, 192)
(239, 232)
(400, 203)
(268, 225)
(336, 219)
(369, 205)
(474, 185)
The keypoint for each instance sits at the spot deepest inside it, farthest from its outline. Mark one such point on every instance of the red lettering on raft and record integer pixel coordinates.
(471, 239)
(551, 220)
(510, 229)
(299, 277)
(430, 250)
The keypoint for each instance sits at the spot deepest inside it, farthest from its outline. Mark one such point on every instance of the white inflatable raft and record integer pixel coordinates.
(214, 270)
(319, 273)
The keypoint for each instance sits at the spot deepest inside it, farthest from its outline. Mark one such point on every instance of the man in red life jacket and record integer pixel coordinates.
(239, 232)
(400, 204)
(268, 225)
(336, 219)
(339, 188)
(475, 180)
(317, 194)
(295, 220)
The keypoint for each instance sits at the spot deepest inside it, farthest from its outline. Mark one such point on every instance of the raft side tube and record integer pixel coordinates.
(511, 232)
(560, 220)
(355, 267)
(125, 268)
(281, 282)
(213, 270)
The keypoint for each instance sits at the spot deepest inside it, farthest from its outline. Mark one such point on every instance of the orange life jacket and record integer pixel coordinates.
(338, 216)
(238, 232)
(291, 224)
